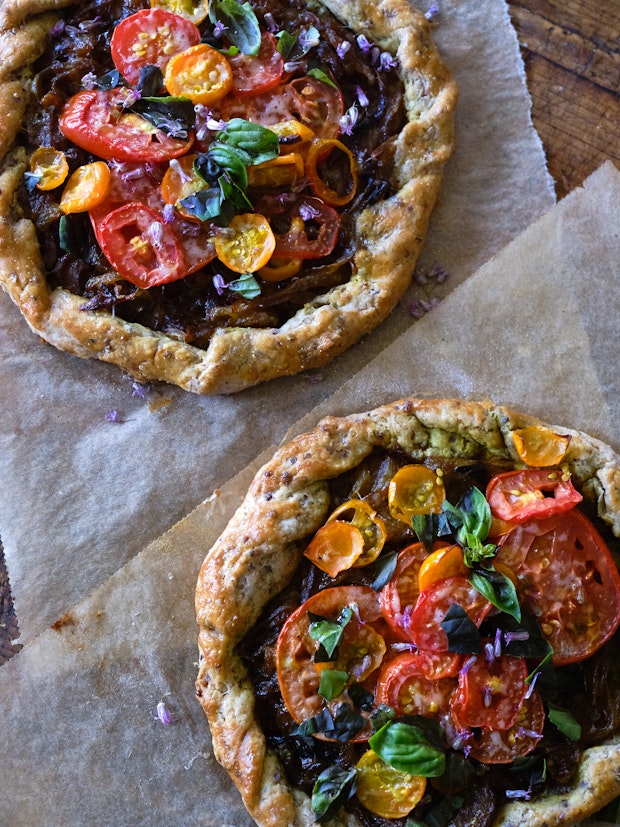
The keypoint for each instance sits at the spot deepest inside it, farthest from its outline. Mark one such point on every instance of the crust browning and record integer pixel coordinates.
(259, 550)
(389, 234)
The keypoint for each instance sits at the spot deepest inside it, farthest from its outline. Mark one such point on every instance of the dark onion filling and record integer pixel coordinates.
(191, 308)
(590, 689)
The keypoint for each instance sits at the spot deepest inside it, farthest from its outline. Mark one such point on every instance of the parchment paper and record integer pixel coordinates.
(81, 495)
(80, 745)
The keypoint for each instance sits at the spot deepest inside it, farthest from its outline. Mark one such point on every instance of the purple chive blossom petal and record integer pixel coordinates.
(386, 61)
(497, 647)
(113, 416)
(362, 97)
(58, 28)
(466, 666)
(164, 714)
(489, 653)
(363, 42)
(140, 390)
(488, 697)
(89, 81)
(522, 634)
(342, 48)
(219, 29)
(219, 283)
(168, 213)
(307, 212)
(524, 794)
(308, 38)
(433, 11)
(530, 689)
(270, 23)
(349, 120)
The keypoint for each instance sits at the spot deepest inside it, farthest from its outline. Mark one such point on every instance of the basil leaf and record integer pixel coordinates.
(428, 527)
(150, 81)
(405, 748)
(328, 633)
(73, 235)
(226, 158)
(257, 142)
(381, 716)
(498, 590)
(174, 116)
(332, 683)
(286, 43)
(462, 632)
(384, 568)
(110, 80)
(31, 180)
(344, 725)
(470, 517)
(440, 815)
(246, 285)
(563, 720)
(360, 697)
(333, 787)
(521, 639)
(205, 204)
(233, 194)
(319, 74)
(241, 24)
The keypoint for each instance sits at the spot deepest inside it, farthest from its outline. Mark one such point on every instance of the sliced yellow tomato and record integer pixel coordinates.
(385, 791)
(319, 152)
(180, 181)
(283, 171)
(194, 10)
(539, 446)
(415, 489)
(200, 73)
(86, 188)
(441, 563)
(335, 547)
(278, 269)
(362, 515)
(247, 245)
(50, 165)
(293, 136)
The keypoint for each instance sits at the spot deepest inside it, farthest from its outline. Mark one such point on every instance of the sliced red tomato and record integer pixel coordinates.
(304, 227)
(404, 686)
(534, 492)
(567, 579)
(253, 74)
(399, 595)
(490, 693)
(150, 37)
(96, 122)
(433, 603)
(493, 747)
(140, 247)
(298, 675)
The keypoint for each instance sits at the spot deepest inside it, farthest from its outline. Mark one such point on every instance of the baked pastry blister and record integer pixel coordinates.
(459, 661)
(375, 104)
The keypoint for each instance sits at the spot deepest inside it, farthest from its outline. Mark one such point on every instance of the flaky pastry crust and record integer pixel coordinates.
(389, 234)
(257, 554)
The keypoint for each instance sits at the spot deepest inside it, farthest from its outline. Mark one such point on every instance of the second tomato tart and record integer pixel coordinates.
(214, 195)
(412, 620)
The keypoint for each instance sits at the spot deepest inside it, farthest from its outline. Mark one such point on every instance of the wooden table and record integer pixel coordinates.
(571, 50)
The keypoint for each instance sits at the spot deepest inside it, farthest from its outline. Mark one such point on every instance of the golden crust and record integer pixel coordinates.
(390, 233)
(256, 556)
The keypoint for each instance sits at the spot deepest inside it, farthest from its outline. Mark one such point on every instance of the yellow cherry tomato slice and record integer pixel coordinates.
(194, 10)
(50, 165)
(278, 269)
(415, 489)
(335, 547)
(539, 446)
(247, 245)
(363, 516)
(200, 73)
(180, 181)
(441, 563)
(283, 171)
(385, 791)
(293, 136)
(320, 176)
(86, 188)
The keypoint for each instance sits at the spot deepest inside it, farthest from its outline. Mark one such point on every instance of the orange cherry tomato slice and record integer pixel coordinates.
(279, 269)
(180, 181)
(293, 136)
(446, 561)
(384, 790)
(200, 73)
(283, 171)
(415, 489)
(194, 10)
(247, 245)
(335, 547)
(362, 515)
(540, 446)
(50, 166)
(322, 179)
(86, 188)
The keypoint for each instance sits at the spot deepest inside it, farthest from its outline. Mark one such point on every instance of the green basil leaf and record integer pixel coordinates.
(319, 74)
(563, 720)
(333, 787)
(226, 158)
(150, 81)
(242, 28)
(381, 716)
(470, 517)
(345, 724)
(286, 43)
(246, 285)
(441, 815)
(384, 568)
(462, 632)
(110, 80)
(233, 194)
(174, 116)
(521, 639)
(328, 633)
(257, 142)
(332, 683)
(428, 527)
(205, 204)
(498, 590)
(361, 698)
(74, 235)
(405, 748)
(544, 668)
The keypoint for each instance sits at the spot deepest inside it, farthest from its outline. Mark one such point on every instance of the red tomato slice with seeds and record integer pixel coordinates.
(425, 627)
(399, 595)
(490, 693)
(534, 492)
(493, 747)
(95, 121)
(404, 686)
(253, 75)
(304, 227)
(567, 578)
(150, 37)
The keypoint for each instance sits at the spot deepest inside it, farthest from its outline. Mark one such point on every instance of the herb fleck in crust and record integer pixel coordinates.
(256, 556)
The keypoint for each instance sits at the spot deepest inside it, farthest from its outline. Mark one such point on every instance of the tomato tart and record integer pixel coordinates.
(216, 194)
(412, 619)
